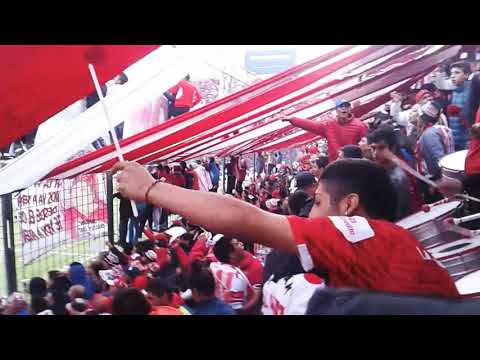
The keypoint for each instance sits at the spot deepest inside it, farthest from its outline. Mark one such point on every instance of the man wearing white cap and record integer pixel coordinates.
(435, 141)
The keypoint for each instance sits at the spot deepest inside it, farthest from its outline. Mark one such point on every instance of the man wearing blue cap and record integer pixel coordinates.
(344, 130)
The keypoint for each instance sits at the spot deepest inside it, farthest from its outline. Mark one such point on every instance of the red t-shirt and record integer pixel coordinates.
(187, 95)
(165, 310)
(199, 250)
(472, 161)
(252, 268)
(374, 255)
(177, 300)
(164, 174)
(163, 256)
(140, 282)
(337, 134)
(177, 179)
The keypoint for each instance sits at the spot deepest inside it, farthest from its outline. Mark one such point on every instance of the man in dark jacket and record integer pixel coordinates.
(307, 183)
(345, 301)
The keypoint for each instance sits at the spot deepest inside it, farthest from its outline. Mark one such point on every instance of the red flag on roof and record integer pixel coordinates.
(38, 81)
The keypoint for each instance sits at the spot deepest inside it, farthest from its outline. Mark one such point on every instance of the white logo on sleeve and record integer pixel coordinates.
(354, 228)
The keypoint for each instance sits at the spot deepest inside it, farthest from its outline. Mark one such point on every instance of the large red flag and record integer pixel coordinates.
(38, 81)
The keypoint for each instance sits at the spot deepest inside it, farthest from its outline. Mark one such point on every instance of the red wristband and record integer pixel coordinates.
(150, 188)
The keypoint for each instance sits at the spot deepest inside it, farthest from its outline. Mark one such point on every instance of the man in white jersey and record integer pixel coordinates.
(231, 284)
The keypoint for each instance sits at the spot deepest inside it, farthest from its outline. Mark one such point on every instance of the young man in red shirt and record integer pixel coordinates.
(348, 233)
(344, 130)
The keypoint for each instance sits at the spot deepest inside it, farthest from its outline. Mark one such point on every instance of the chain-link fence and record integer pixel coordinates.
(52, 224)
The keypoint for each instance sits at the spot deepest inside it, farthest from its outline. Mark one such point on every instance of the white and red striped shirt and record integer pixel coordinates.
(290, 295)
(231, 284)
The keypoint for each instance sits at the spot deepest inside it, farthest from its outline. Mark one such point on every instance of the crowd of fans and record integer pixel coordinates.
(182, 268)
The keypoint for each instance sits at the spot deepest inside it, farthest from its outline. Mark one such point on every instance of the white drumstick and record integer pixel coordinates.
(468, 197)
(413, 172)
(428, 207)
(93, 74)
(461, 220)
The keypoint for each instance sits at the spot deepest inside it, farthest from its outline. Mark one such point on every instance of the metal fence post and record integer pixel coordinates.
(9, 242)
(111, 222)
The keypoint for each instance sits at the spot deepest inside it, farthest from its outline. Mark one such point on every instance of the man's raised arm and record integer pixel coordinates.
(313, 126)
(217, 213)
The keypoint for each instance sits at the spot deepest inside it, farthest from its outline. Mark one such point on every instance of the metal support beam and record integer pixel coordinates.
(111, 222)
(9, 242)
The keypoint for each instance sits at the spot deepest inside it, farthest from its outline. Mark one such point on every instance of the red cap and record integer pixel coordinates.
(276, 194)
(453, 110)
(421, 94)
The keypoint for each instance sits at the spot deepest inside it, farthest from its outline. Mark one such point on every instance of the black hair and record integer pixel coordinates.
(283, 192)
(61, 283)
(130, 302)
(167, 169)
(122, 257)
(429, 119)
(96, 266)
(430, 87)
(202, 279)
(127, 250)
(223, 248)
(37, 287)
(352, 152)
(385, 133)
(322, 161)
(52, 274)
(297, 201)
(187, 77)
(363, 177)
(38, 304)
(189, 238)
(183, 164)
(281, 264)
(59, 288)
(159, 287)
(143, 246)
(462, 65)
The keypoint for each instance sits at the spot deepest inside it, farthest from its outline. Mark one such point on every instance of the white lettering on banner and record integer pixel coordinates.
(353, 228)
(53, 212)
(40, 217)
